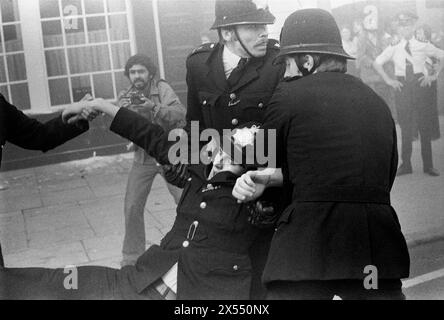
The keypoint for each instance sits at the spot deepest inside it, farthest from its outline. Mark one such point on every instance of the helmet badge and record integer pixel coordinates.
(260, 4)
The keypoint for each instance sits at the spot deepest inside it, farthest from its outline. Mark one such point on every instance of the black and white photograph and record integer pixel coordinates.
(242, 151)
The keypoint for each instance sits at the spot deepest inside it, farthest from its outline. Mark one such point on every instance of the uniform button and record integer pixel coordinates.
(203, 205)
(235, 267)
(185, 244)
(234, 122)
(189, 179)
(260, 105)
(204, 103)
(233, 96)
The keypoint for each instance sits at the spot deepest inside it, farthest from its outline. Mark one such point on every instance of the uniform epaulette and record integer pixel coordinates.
(207, 47)
(274, 44)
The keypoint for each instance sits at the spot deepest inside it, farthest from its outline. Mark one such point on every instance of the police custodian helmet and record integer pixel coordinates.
(240, 12)
(311, 31)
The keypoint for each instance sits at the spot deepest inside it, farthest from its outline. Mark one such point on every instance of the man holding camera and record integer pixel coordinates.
(156, 101)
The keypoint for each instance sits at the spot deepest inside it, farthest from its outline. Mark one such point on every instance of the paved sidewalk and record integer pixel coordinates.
(72, 213)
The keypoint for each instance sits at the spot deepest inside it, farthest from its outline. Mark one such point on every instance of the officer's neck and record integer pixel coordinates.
(235, 48)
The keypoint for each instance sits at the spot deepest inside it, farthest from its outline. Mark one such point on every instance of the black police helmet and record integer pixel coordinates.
(311, 31)
(241, 12)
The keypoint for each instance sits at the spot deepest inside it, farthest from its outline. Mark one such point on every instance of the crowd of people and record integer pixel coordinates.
(308, 227)
(412, 95)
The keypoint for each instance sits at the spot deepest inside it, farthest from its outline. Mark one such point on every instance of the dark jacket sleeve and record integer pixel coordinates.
(31, 134)
(149, 136)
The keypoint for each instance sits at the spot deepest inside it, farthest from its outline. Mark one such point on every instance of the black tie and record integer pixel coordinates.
(237, 72)
(409, 73)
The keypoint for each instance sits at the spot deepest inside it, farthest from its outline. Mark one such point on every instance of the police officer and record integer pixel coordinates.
(18, 129)
(231, 82)
(338, 154)
(411, 89)
(205, 255)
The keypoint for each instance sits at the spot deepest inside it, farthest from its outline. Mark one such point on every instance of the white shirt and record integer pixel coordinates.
(421, 53)
(230, 60)
(170, 278)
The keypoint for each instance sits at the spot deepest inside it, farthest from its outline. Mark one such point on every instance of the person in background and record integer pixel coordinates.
(155, 100)
(351, 47)
(370, 46)
(412, 85)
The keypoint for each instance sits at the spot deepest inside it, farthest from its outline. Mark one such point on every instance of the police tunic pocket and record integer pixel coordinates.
(207, 103)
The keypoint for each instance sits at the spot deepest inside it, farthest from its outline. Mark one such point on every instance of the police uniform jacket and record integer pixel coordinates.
(215, 104)
(338, 151)
(18, 129)
(210, 237)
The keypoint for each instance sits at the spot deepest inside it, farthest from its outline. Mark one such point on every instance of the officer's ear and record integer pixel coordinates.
(228, 35)
(309, 62)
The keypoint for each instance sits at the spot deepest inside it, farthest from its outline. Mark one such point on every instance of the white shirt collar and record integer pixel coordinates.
(230, 60)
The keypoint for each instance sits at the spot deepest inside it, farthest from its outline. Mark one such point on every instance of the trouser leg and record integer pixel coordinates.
(85, 283)
(140, 181)
(404, 105)
(2, 262)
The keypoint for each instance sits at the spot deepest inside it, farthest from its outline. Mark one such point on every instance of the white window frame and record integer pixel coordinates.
(34, 51)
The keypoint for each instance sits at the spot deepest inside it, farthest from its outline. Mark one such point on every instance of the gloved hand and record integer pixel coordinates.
(261, 214)
(177, 174)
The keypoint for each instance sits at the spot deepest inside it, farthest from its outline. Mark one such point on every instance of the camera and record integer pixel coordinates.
(137, 98)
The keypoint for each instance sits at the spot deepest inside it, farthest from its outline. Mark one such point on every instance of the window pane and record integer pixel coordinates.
(116, 6)
(118, 27)
(122, 82)
(103, 86)
(97, 29)
(13, 38)
(55, 63)
(2, 70)
(4, 92)
(10, 12)
(94, 6)
(80, 87)
(20, 96)
(49, 8)
(75, 31)
(59, 91)
(121, 53)
(16, 67)
(52, 33)
(89, 59)
(72, 7)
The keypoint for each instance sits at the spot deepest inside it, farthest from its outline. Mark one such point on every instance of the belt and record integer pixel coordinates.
(359, 194)
(164, 290)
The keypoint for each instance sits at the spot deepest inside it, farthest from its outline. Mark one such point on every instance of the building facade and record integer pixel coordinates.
(53, 52)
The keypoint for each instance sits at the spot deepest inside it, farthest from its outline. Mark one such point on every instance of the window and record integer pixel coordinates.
(53, 52)
(86, 44)
(13, 76)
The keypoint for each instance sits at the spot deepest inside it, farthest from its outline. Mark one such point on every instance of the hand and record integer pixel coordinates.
(124, 102)
(148, 104)
(395, 84)
(250, 186)
(73, 113)
(426, 80)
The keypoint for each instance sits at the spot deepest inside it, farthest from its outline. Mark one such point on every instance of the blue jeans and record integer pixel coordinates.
(140, 181)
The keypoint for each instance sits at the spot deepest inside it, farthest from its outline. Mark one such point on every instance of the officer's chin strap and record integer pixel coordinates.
(250, 55)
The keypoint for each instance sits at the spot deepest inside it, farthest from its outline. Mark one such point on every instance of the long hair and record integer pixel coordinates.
(142, 60)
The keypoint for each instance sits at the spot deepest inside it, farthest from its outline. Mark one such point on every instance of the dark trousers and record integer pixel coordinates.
(93, 283)
(326, 290)
(2, 263)
(411, 105)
